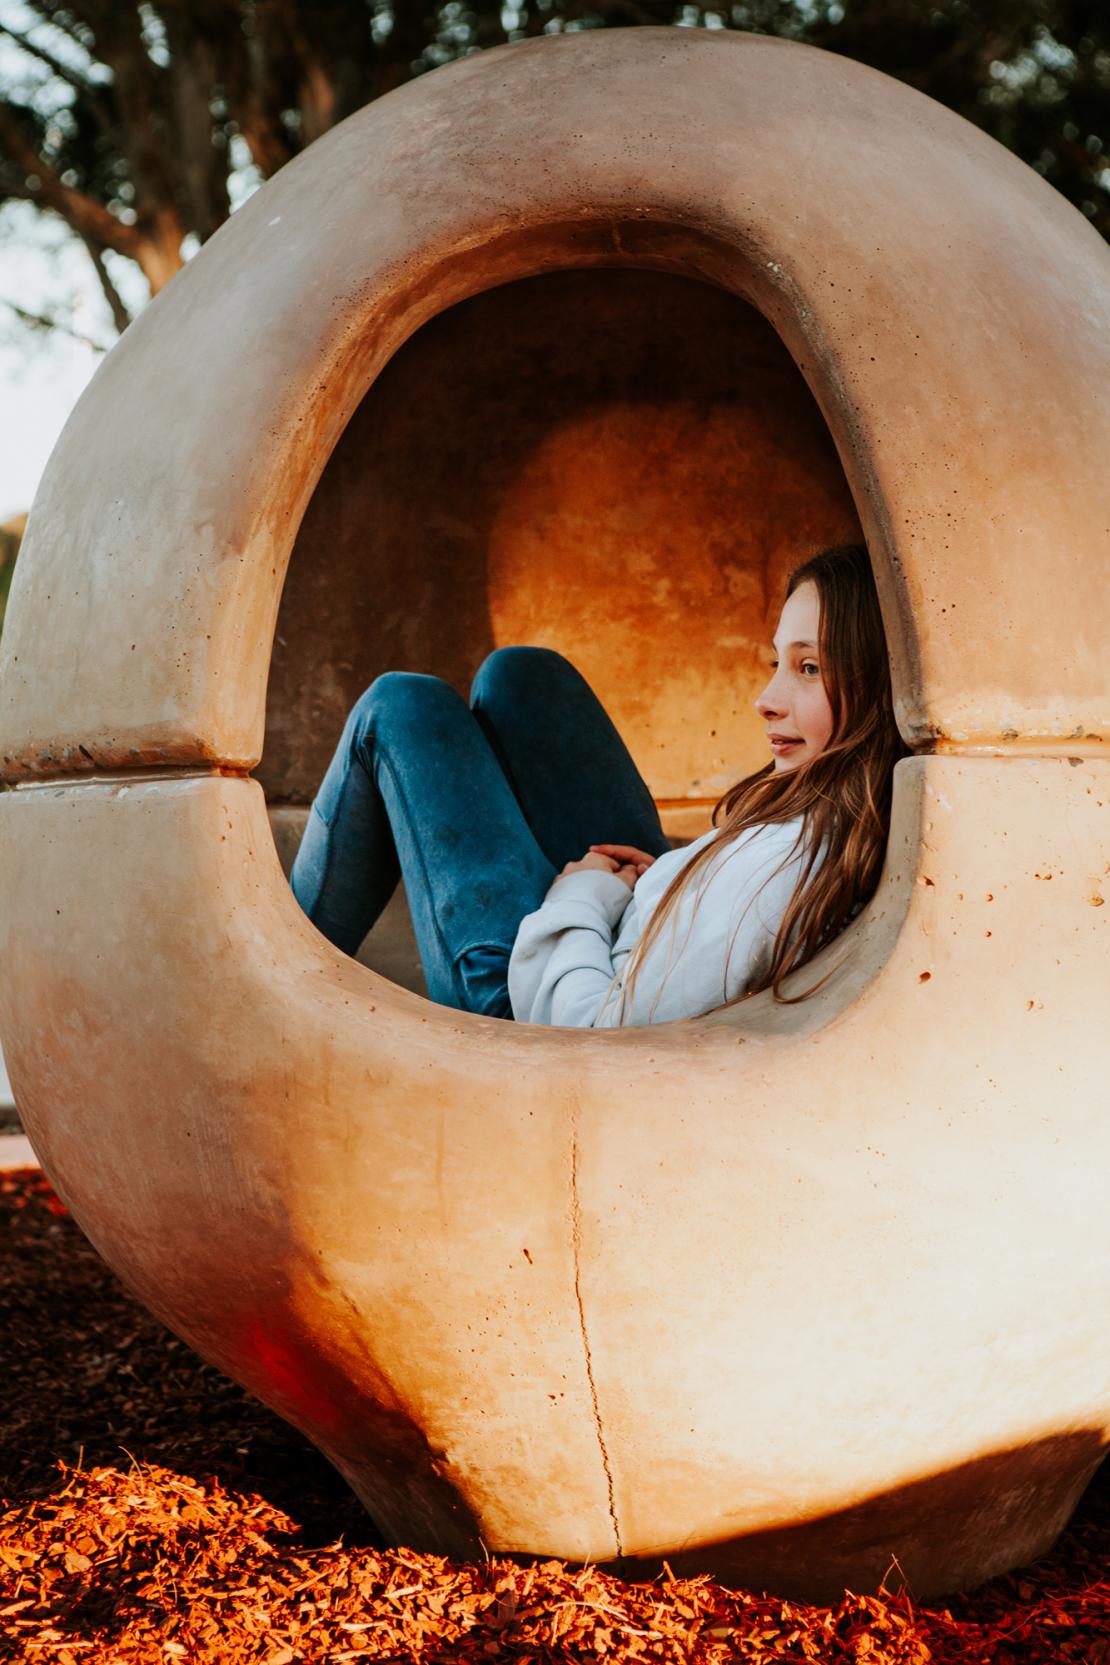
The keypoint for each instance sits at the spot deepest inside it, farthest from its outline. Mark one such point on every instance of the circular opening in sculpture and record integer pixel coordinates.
(619, 464)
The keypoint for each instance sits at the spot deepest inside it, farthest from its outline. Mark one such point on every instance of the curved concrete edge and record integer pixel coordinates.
(894, 257)
(449, 1288)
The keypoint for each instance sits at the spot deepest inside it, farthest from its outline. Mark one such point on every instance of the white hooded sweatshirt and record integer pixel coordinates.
(569, 957)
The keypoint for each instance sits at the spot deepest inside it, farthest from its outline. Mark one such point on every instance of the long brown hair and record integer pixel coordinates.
(842, 795)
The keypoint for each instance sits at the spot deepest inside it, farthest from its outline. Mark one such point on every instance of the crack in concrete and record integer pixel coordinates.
(576, 1243)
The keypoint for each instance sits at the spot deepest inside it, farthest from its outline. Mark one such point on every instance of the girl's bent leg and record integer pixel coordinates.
(571, 772)
(347, 868)
(415, 786)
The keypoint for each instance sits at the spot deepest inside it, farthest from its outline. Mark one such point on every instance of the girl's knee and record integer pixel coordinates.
(397, 698)
(511, 671)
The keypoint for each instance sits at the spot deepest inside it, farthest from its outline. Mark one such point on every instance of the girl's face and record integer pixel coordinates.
(794, 704)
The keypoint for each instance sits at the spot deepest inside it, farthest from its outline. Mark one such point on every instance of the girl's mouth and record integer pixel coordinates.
(782, 743)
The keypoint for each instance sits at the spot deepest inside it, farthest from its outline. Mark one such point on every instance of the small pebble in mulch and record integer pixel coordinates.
(151, 1511)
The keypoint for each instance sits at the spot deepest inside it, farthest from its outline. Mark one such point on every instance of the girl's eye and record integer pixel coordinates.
(810, 667)
(774, 664)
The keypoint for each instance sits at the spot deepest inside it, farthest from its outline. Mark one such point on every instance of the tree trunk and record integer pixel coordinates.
(159, 250)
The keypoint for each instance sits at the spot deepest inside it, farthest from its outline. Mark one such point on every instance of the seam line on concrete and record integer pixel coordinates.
(576, 1244)
(128, 777)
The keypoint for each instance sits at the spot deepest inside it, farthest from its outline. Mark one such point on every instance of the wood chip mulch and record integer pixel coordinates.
(151, 1511)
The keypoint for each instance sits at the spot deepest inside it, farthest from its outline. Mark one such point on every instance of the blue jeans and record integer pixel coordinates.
(477, 806)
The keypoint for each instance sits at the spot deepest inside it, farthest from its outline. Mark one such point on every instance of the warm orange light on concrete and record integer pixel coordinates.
(782, 1293)
(613, 463)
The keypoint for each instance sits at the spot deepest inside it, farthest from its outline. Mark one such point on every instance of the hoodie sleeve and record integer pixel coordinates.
(720, 937)
(562, 964)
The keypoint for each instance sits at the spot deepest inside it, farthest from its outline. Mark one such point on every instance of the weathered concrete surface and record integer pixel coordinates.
(781, 1293)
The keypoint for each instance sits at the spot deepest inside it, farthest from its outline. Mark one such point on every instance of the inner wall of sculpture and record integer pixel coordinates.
(622, 465)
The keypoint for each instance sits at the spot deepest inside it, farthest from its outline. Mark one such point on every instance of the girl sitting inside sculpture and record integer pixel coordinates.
(485, 809)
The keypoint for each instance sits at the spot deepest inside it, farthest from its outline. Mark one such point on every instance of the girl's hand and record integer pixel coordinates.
(596, 862)
(626, 855)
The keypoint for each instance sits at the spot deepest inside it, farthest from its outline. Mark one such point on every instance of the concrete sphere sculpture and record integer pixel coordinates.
(782, 1293)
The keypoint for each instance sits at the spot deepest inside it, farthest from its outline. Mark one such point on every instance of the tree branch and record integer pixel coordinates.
(87, 216)
(86, 89)
(17, 191)
(42, 321)
(49, 14)
(121, 313)
(46, 57)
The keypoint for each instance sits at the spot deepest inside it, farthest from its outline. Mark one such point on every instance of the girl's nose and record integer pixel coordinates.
(769, 703)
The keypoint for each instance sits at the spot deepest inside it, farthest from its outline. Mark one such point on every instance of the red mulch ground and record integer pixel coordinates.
(151, 1511)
